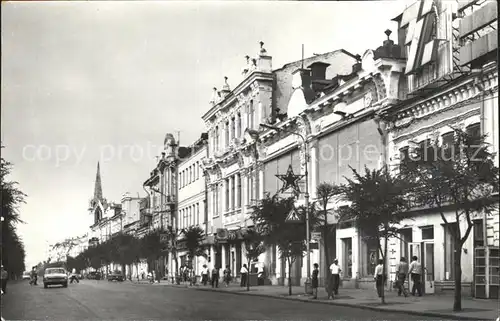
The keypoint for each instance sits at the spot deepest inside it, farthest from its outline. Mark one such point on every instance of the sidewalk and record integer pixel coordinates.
(437, 305)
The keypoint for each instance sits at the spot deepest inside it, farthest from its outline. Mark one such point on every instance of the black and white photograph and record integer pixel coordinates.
(249, 160)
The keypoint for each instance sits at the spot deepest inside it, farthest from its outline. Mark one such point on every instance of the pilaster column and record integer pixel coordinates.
(313, 168)
(244, 196)
(223, 254)
(260, 174)
(212, 257)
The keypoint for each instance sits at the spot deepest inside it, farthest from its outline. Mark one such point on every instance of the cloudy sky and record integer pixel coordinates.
(87, 81)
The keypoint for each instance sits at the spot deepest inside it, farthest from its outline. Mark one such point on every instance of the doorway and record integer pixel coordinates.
(424, 251)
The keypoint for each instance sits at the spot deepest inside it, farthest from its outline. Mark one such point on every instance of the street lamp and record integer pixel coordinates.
(306, 196)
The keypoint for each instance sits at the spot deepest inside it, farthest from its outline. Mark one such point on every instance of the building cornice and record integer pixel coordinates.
(461, 92)
(233, 95)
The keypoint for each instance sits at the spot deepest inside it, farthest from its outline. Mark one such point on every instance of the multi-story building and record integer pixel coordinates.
(235, 166)
(335, 117)
(159, 210)
(191, 197)
(452, 78)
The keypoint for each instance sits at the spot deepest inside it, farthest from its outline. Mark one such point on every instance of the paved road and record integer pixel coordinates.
(101, 300)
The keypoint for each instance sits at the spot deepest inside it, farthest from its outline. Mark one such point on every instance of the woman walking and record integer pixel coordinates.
(227, 275)
(314, 282)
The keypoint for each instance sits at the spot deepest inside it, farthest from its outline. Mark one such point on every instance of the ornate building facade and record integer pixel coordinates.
(235, 166)
(452, 76)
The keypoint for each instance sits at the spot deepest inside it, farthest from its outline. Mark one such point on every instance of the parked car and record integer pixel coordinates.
(116, 276)
(26, 276)
(55, 276)
(94, 275)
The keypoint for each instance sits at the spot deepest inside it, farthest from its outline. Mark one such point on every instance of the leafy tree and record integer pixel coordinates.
(326, 192)
(254, 246)
(151, 246)
(63, 248)
(12, 250)
(194, 236)
(124, 249)
(459, 176)
(269, 217)
(378, 204)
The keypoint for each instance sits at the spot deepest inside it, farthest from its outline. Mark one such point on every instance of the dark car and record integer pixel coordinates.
(116, 276)
(94, 276)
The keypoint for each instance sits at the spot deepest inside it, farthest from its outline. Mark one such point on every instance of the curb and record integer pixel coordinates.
(365, 307)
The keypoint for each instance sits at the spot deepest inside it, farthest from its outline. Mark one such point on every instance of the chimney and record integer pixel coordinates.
(301, 78)
(318, 70)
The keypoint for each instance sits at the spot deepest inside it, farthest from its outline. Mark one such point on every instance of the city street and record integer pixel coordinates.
(102, 300)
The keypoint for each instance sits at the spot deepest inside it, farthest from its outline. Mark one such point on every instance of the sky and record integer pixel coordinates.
(93, 81)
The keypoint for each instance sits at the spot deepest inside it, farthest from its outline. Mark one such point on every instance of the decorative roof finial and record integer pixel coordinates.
(388, 33)
(226, 85)
(263, 51)
(213, 100)
(254, 62)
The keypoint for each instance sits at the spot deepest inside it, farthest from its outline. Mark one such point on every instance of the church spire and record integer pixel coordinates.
(98, 184)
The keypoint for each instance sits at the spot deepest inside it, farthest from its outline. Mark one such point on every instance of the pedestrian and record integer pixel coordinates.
(244, 275)
(74, 277)
(4, 275)
(204, 275)
(227, 275)
(378, 275)
(335, 270)
(34, 276)
(314, 281)
(415, 270)
(401, 273)
(215, 277)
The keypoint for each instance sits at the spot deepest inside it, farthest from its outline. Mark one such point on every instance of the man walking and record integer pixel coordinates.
(74, 277)
(4, 276)
(335, 270)
(415, 271)
(401, 273)
(204, 274)
(244, 275)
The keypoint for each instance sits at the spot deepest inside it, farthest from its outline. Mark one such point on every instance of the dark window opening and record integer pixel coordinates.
(427, 232)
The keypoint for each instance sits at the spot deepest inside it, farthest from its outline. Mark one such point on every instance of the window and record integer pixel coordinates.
(238, 125)
(449, 251)
(233, 195)
(197, 170)
(226, 132)
(233, 128)
(448, 142)
(198, 213)
(474, 131)
(478, 233)
(250, 115)
(372, 256)
(427, 232)
(426, 151)
(227, 195)
(406, 236)
(216, 138)
(238, 198)
(404, 159)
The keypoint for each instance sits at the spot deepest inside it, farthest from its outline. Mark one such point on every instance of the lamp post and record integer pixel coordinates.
(306, 197)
